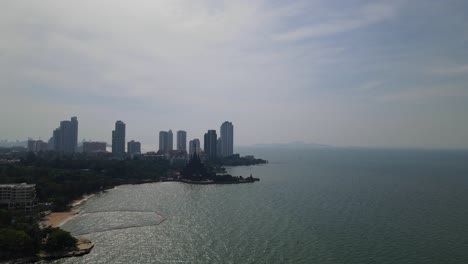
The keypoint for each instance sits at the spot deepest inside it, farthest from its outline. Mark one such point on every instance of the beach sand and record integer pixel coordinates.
(57, 219)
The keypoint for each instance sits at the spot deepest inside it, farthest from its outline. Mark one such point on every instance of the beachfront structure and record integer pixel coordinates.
(18, 196)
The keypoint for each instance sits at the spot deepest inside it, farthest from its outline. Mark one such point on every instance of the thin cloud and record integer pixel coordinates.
(340, 23)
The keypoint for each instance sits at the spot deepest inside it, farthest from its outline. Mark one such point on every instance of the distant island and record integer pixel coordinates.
(295, 145)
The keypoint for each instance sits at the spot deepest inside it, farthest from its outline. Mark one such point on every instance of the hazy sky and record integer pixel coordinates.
(368, 73)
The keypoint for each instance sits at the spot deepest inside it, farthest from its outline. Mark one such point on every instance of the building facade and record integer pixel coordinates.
(165, 141)
(133, 147)
(18, 196)
(118, 139)
(227, 139)
(182, 141)
(219, 144)
(170, 141)
(194, 146)
(65, 137)
(209, 144)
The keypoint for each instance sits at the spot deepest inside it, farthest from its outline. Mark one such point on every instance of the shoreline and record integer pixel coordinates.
(57, 219)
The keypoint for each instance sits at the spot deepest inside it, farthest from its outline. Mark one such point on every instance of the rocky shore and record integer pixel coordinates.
(83, 247)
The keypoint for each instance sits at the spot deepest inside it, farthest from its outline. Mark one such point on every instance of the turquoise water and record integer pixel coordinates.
(311, 206)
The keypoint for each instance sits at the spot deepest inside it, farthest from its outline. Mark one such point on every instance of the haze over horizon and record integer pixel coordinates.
(354, 73)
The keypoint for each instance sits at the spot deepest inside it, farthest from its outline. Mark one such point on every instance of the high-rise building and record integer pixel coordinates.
(133, 147)
(165, 141)
(162, 141)
(218, 147)
(170, 141)
(94, 147)
(65, 137)
(50, 144)
(57, 140)
(74, 134)
(66, 132)
(209, 144)
(182, 140)
(194, 146)
(227, 139)
(118, 139)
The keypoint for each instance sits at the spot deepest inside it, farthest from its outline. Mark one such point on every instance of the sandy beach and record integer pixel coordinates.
(57, 219)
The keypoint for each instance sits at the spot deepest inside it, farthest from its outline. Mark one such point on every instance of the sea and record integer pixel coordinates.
(331, 205)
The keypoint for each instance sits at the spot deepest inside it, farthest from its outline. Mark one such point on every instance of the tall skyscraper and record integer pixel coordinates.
(133, 147)
(162, 141)
(218, 147)
(170, 141)
(194, 146)
(209, 144)
(227, 139)
(182, 140)
(65, 137)
(118, 139)
(66, 132)
(57, 139)
(165, 141)
(74, 134)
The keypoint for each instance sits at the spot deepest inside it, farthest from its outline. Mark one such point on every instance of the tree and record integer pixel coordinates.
(59, 240)
(15, 242)
(5, 218)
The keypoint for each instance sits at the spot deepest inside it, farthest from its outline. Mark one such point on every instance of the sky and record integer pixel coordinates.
(344, 73)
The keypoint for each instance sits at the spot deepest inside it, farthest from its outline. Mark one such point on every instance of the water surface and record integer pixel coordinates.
(311, 206)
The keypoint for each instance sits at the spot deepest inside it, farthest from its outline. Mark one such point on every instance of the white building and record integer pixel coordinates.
(18, 195)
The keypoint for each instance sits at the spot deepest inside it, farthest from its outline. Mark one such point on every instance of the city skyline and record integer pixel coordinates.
(372, 74)
(68, 131)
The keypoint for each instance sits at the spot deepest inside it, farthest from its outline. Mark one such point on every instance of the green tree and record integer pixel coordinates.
(5, 218)
(59, 240)
(14, 243)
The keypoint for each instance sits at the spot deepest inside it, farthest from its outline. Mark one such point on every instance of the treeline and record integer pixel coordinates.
(60, 180)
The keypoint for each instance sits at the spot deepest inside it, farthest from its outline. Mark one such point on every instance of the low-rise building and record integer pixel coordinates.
(18, 196)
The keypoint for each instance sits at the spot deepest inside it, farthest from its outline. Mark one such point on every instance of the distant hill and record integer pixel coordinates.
(294, 145)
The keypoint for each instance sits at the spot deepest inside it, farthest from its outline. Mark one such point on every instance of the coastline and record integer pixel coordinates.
(57, 219)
